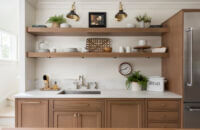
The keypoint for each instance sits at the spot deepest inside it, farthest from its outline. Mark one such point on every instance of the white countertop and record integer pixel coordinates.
(104, 94)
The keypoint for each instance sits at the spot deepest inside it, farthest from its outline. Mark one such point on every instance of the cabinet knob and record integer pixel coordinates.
(75, 114)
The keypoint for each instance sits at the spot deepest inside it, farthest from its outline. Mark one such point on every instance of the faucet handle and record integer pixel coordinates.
(96, 85)
(88, 85)
(77, 85)
(79, 77)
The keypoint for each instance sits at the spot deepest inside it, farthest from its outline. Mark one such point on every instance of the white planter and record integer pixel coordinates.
(147, 25)
(141, 24)
(65, 25)
(136, 87)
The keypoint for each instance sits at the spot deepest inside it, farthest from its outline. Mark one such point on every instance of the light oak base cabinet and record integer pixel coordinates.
(125, 113)
(98, 113)
(32, 113)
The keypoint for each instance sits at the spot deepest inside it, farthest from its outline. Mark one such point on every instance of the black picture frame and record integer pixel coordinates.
(97, 23)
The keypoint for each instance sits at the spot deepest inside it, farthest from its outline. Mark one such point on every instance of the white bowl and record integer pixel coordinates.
(159, 50)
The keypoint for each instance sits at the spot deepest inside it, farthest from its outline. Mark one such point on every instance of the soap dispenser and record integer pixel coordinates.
(55, 86)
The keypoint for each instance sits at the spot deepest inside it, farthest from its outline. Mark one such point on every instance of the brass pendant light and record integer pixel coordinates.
(121, 14)
(72, 14)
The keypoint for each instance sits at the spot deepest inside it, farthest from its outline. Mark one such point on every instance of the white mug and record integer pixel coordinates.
(121, 49)
(142, 42)
(128, 49)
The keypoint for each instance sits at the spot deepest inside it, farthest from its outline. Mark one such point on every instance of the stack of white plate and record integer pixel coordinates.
(70, 50)
(42, 50)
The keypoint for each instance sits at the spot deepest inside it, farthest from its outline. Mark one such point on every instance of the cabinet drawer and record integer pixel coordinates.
(163, 125)
(163, 116)
(163, 105)
(78, 105)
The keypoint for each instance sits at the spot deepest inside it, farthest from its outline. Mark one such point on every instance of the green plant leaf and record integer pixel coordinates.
(57, 19)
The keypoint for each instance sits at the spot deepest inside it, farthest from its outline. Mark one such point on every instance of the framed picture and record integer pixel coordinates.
(97, 19)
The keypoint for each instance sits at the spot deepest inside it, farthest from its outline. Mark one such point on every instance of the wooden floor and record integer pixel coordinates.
(95, 129)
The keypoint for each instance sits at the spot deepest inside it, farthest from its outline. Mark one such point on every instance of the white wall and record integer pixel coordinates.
(9, 70)
(102, 70)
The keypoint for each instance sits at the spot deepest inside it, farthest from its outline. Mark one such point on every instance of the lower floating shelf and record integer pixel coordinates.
(95, 54)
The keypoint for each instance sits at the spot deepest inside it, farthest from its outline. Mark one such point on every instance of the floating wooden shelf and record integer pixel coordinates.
(93, 54)
(97, 31)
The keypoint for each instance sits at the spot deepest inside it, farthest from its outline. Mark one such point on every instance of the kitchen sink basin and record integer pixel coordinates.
(80, 92)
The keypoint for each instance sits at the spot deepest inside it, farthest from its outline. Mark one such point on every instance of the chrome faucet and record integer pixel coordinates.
(82, 83)
(81, 80)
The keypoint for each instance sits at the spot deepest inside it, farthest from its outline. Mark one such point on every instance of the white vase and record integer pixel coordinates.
(135, 86)
(141, 24)
(147, 25)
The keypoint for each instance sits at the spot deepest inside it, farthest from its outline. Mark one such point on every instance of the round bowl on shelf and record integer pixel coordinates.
(107, 49)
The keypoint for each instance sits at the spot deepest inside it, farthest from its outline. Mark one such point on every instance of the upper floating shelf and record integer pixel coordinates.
(97, 31)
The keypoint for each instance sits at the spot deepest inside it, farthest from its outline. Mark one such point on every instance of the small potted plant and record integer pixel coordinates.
(147, 21)
(140, 20)
(56, 20)
(136, 81)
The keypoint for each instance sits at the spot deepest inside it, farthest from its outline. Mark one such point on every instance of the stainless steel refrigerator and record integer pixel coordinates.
(192, 69)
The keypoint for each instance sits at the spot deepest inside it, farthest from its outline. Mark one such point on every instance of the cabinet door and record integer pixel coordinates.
(125, 113)
(32, 113)
(65, 120)
(89, 120)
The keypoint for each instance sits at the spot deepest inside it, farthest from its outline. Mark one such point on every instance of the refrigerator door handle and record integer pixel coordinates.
(190, 30)
(194, 109)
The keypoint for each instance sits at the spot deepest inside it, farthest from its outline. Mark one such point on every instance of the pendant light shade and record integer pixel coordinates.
(121, 14)
(72, 14)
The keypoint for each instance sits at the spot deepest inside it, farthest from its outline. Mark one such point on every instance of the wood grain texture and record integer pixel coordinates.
(93, 54)
(163, 105)
(163, 113)
(89, 120)
(172, 66)
(95, 129)
(84, 113)
(32, 113)
(97, 31)
(125, 114)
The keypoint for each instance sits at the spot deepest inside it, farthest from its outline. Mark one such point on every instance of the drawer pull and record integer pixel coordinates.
(31, 102)
(75, 114)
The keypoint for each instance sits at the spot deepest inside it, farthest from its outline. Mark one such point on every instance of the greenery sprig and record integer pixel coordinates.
(57, 19)
(145, 18)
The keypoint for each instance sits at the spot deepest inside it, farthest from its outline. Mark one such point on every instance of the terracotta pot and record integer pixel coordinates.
(55, 25)
(136, 87)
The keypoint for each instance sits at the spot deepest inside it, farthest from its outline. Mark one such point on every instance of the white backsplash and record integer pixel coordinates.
(102, 70)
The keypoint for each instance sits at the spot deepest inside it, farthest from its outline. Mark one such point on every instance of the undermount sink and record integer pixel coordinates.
(79, 92)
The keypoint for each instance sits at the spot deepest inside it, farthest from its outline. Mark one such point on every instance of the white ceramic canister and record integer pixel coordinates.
(156, 83)
(121, 49)
(128, 49)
